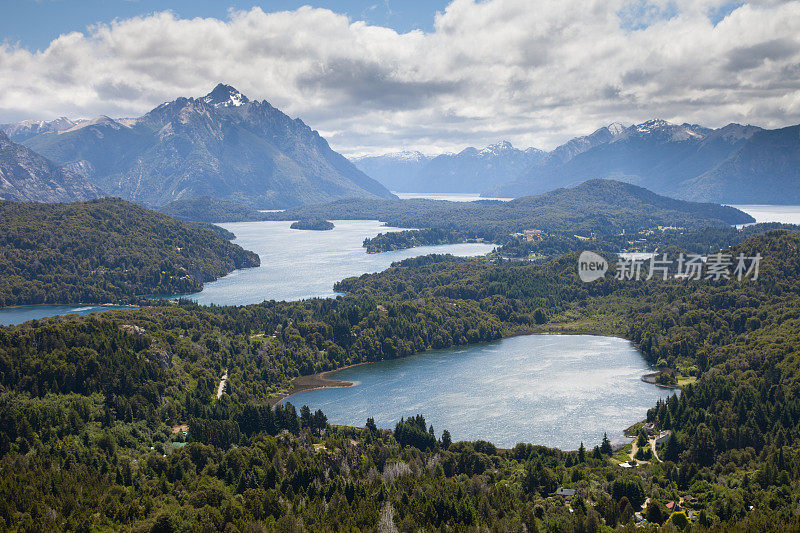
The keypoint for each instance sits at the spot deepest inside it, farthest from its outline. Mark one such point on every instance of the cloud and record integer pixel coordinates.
(536, 73)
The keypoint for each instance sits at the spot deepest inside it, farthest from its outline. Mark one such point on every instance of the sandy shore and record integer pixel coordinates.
(314, 382)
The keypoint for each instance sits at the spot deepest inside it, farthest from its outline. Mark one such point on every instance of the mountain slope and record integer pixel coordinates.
(25, 176)
(209, 210)
(221, 145)
(21, 131)
(105, 250)
(468, 171)
(655, 154)
(395, 170)
(765, 170)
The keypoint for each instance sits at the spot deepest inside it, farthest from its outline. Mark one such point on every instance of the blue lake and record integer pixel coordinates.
(555, 390)
(295, 264)
(18, 315)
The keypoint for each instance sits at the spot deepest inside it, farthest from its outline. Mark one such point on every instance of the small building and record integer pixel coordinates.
(649, 428)
(662, 437)
(565, 492)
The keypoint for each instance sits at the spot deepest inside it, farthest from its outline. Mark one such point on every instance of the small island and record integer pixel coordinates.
(316, 224)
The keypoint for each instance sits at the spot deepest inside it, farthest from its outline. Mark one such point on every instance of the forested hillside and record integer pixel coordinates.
(92, 407)
(600, 206)
(105, 251)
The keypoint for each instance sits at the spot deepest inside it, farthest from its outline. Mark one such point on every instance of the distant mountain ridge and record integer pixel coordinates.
(470, 170)
(732, 164)
(221, 145)
(21, 131)
(26, 176)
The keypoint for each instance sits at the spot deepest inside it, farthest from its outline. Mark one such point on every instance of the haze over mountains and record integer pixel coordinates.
(221, 145)
(470, 170)
(732, 164)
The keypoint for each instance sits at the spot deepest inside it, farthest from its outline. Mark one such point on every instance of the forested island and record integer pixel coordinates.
(106, 251)
(93, 409)
(313, 224)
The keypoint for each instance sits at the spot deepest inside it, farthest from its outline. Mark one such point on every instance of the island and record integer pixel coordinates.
(315, 224)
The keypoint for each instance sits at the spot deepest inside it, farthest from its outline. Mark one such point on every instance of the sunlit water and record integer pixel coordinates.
(449, 196)
(787, 214)
(555, 390)
(295, 264)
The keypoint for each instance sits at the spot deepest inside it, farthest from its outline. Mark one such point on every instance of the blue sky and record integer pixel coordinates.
(34, 23)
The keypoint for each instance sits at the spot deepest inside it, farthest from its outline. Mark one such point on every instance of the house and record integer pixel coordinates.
(565, 492)
(662, 437)
(649, 428)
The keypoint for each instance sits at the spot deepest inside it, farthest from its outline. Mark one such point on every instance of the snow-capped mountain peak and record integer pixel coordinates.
(615, 128)
(497, 148)
(225, 96)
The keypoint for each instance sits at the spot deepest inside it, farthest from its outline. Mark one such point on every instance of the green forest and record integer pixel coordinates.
(112, 421)
(312, 224)
(106, 251)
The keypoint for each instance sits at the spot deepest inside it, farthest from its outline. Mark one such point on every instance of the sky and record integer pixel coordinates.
(380, 76)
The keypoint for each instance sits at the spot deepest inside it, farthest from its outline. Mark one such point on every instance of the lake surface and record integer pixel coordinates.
(787, 214)
(449, 196)
(18, 315)
(297, 264)
(555, 390)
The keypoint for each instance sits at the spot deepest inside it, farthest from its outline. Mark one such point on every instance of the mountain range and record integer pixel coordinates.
(26, 176)
(734, 164)
(220, 145)
(470, 170)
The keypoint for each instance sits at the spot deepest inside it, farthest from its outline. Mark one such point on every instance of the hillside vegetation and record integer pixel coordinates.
(105, 251)
(599, 206)
(91, 408)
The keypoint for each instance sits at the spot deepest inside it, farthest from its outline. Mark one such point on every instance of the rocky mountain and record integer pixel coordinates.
(26, 176)
(764, 170)
(21, 131)
(656, 154)
(221, 145)
(471, 170)
(394, 170)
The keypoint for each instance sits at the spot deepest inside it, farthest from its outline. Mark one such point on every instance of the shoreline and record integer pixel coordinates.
(317, 381)
(321, 380)
(64, 305)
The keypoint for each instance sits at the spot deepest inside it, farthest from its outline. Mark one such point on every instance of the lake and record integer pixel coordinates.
(788, 214)
(449, 196)
(555, 390)
(295, 264)
(23, 313)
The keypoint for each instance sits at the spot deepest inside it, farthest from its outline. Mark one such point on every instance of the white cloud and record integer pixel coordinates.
(536, 73)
